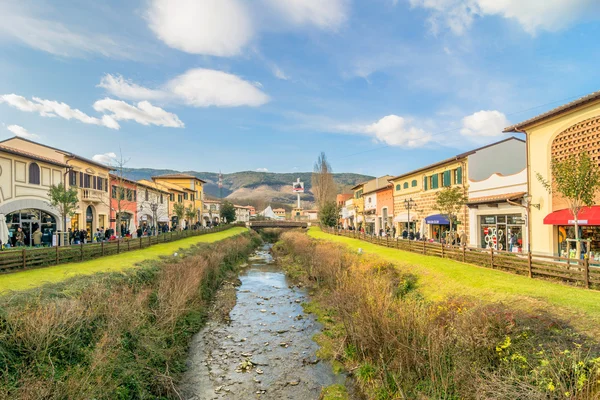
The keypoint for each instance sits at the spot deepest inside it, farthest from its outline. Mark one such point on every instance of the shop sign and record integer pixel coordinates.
(489, 220)
(579, 222)
(486, 230)
(518, 220)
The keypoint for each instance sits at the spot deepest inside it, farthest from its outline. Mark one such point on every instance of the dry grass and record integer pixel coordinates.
(401, 346)
(114, 337)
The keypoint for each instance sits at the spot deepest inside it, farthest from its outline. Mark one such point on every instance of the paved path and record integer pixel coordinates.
(28, 279)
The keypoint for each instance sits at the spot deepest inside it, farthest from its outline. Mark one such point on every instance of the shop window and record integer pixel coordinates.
(414, 183)
(405, 185)
(34, 174)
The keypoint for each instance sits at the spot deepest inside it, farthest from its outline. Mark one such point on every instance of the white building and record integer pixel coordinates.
(152, 204)
(212, 212)
(242, 214)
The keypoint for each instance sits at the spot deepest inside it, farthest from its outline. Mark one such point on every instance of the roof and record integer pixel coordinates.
(555, 111)
(178, 176)
(358, 185)
(386, 187)
(212, 201)
(279, 209)
(152, 185)
(18, 152)
(117, 177)
(455, 158)
(66, 153)
(172, 186)
(496, 198)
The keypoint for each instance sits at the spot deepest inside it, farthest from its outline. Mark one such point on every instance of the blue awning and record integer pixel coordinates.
(437, 219)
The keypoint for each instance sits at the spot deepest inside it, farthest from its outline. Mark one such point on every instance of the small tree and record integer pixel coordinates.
(576, 179)
(227, 212)
(329, 214)
(323, 185)
(64, 200)
(179, 211)
(190, 213)
(449, 202)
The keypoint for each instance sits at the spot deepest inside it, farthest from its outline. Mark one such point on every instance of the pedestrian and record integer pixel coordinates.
(139, 232)
(404, 234)
(411, 235)
(394, 232)
(418, 235)
(380, 232)
(70, 236)
(463, 238)
(82, 236)
(37, 238)
(20, 237)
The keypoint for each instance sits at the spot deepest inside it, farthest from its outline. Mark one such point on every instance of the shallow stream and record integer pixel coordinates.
(264, 349)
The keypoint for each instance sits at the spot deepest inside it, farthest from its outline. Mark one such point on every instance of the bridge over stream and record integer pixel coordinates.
(277, 224)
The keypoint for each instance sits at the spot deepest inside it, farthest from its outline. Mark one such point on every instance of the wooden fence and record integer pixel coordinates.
(19, 258)
(579, 272)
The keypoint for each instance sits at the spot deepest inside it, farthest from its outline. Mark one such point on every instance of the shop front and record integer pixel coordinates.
(502, 232)
(30, 220)
(564, 232)
(438, 225)
(402, 223)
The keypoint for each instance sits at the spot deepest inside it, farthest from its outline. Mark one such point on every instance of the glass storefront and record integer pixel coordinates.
(568, 248)
(502, 232)
(29, 220)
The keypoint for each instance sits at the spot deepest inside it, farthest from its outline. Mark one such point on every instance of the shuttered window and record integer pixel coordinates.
(405, 185)
(459, 176)
(414, 183)
(447, 179)
(434, 181)
(425, 179)
(398, 187)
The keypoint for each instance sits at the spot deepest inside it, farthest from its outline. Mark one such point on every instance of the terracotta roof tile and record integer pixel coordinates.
(18, 152)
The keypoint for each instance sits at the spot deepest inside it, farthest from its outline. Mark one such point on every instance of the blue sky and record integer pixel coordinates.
(382, 86)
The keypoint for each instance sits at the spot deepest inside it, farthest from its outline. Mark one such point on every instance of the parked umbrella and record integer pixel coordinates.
(3, 229)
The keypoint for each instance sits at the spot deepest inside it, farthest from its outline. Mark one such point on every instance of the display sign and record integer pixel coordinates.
(298, 187)
(489, 220)
(579, 222)
(518, 221)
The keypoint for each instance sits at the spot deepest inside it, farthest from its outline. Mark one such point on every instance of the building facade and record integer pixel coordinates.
(242, 213)
(152, 206)
(190, 189)
(556, 134)
(385, 209)
(123, 205)
(212, 212)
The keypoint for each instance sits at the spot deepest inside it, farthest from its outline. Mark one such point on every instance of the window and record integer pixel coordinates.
(105, 184)
(446, 179)
(171, 197)
(413, 183)
(179, 198)
(72, 178)
(113, 192)
(86, 181)
(398, 187)
(458, 176)
(146, 195)
(34, 174)
(358, 194)
(161, 198)
(191, 197)
(434, 181)
(405, 185)
(425, 179)
(185, 196)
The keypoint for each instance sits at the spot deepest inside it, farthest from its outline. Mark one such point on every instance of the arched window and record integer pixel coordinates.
(398, 187)
(34, 174)
(405, 185)
(414, 183)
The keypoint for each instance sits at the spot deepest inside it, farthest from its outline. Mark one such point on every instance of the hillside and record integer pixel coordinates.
(256, 188)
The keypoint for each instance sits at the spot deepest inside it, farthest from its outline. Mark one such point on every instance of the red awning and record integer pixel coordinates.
(587, 216)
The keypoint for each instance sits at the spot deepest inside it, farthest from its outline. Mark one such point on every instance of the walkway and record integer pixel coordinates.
(28, 279)
(439, 278)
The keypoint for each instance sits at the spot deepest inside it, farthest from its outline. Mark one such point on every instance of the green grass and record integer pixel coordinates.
(29, 279)
(439, 278)
(334, 392)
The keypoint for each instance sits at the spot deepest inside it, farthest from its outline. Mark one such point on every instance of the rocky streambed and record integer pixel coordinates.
(258, 342)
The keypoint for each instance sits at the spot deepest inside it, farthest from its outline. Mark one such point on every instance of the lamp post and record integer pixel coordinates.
(154, 209)
(527, 200)
(409, 204)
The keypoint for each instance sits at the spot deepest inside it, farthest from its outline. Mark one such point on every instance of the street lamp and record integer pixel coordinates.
(409, 204)
(527, 200)
(154, 209)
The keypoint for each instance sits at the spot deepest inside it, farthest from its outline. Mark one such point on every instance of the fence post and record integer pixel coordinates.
(24, 258)
(140, 242)
(586, 272)
(57, 255)
(442, 249)
(81, 251)
(149, 241)
(424, 247)
(128, 245)
(102, 246)
(492, 256)
(530, 264)
(118, 246)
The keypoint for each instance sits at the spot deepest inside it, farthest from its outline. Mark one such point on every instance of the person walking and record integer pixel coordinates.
(463, 238)
(37, 238)
(82, 236)
(139, 232)
(70, 236)
(405, 234)
(20, 237)
(394, 232)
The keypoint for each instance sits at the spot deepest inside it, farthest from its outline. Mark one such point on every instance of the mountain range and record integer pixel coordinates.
(255, 188)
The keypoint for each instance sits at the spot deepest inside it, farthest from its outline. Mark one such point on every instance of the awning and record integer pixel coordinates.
(500, 198)
(587, 216)
(403, 217)
(437, 219)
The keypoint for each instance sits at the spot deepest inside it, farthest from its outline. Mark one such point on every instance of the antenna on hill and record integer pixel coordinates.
(220, 185)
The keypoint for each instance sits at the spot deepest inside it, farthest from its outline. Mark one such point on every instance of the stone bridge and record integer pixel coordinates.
(277, 224)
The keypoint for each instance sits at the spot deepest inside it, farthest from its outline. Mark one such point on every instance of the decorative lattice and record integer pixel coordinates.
(584, 135)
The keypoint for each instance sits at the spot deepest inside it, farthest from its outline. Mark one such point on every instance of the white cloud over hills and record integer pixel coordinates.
(197, 87)
(106, 158)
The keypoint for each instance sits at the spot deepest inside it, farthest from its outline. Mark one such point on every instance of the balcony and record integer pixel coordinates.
(92, 196)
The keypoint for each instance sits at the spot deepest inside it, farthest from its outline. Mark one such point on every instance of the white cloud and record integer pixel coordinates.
(330, 14)
(262, 170)
(398, 131)
(144, 113)
(21, 23)
(21, 132)
(113, 110)
(484, 124)
(279, 74)
(211, 27)
(532, 15)
(197, 87)
(106, 158)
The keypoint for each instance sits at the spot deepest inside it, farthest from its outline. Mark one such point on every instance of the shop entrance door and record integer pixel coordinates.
(501, 237)
(89, 218)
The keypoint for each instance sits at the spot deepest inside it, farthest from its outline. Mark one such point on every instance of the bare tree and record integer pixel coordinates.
(152, 202)
(121, 194)
(323, 186)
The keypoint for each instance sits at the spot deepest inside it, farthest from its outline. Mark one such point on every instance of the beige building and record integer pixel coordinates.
(153, 204)
(91, 179)
(558, 133)
(242, 213)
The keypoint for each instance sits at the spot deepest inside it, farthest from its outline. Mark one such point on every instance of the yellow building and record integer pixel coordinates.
(565, 130)
(185, 189)
(361, 219)
(153, 205)
(91, 179)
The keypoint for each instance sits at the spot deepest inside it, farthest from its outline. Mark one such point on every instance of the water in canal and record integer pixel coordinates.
(265, 350)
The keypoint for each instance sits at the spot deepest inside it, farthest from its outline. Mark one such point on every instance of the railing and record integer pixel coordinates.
(579, 272)
(19, 258)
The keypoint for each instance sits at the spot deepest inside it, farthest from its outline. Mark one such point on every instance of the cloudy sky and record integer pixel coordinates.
(382, 86)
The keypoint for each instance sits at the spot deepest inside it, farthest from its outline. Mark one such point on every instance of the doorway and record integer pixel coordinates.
(89, 220)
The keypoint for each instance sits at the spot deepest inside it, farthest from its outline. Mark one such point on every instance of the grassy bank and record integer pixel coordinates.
(403, 343)
(23, 280)
(115, 335)
(440, 278)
